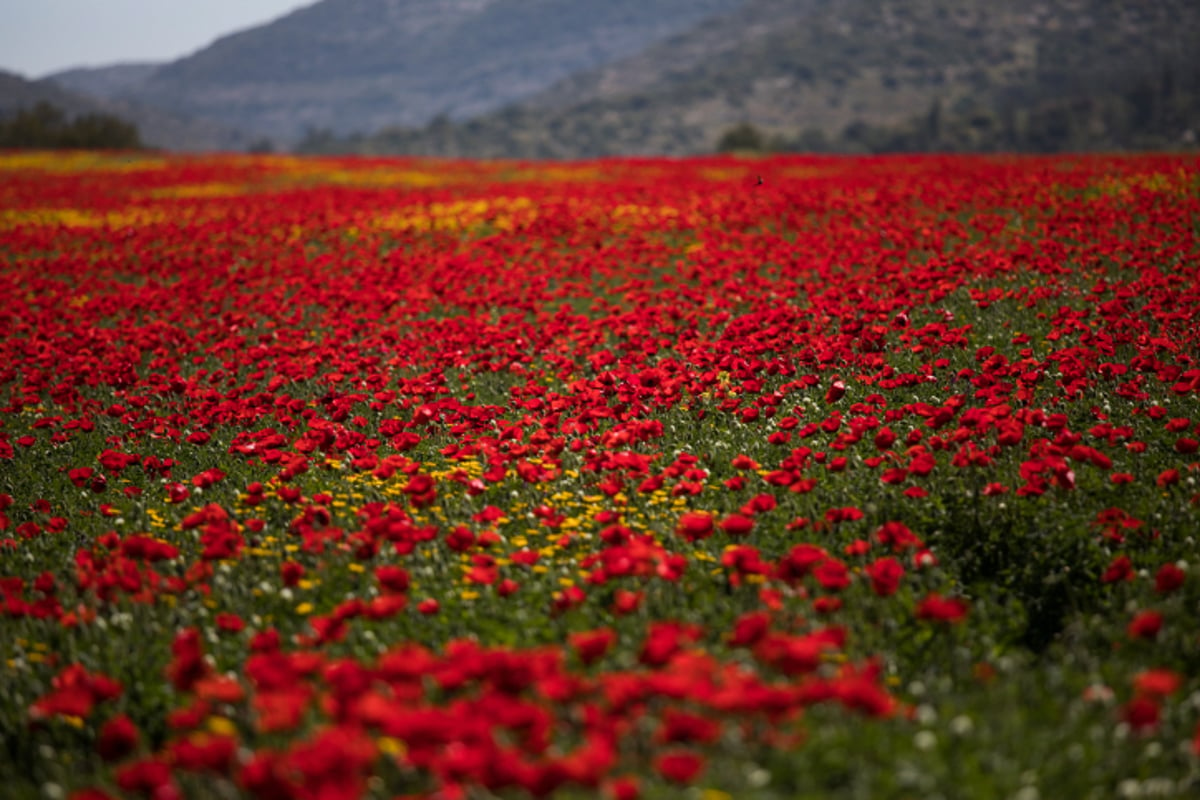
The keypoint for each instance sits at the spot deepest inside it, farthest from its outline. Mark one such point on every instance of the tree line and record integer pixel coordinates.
(45, 126)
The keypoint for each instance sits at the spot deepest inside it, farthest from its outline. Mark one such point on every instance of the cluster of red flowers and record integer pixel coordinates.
(516, 476)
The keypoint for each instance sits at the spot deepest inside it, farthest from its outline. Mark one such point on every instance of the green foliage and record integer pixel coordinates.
(742, 136)
(45, 126)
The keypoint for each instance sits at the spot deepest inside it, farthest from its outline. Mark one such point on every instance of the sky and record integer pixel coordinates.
(38, 37)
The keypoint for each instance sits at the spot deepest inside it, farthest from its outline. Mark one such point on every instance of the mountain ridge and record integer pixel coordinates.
(564, 79)
(814, 69)
(359, 65)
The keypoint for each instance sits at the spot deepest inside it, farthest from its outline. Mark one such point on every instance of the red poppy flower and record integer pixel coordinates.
(898, 537)
(695, 525)
(118, 738)
(1119, 569)
(750, 628)
(187, 665)
(832, 574)
(737, 525)
(885, 575)
(664, 640)
(291, 573)
(203, 752)
(1169, 578)
(592, 645)
(1157, 682)
(74, 693)
(1142, 713)
(684, 727)
(1145, 625)
(679, 766)
(177, 493)
(429, 606)
(150, 777)
(626, 602)
(936, 608)
(392, 578)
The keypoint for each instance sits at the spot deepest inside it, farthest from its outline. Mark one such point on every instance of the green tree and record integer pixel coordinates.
(47, 126)
(742, 136)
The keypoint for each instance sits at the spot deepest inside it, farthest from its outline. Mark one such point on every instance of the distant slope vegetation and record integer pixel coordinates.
(860, 74)
(105, 82)
(357, 65)
(156, 128)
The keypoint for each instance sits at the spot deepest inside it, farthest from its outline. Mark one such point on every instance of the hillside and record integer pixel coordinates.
(815, 70)
(157, 128)
(358, 65)
(105, 82)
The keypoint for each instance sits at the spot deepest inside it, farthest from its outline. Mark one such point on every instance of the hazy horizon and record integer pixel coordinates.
(38, 39)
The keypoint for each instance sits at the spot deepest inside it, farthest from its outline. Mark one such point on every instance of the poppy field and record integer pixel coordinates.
(713, 478)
